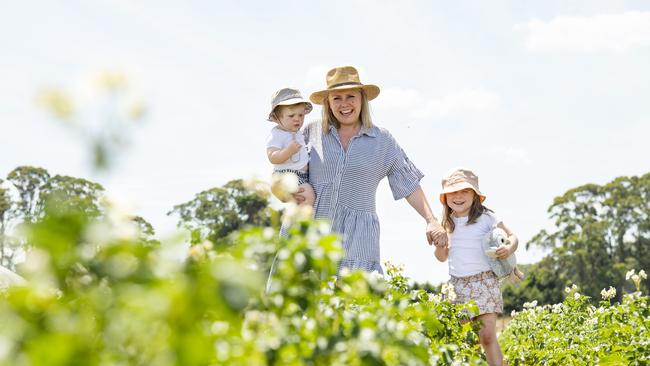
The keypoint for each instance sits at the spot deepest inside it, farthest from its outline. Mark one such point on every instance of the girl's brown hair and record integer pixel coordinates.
(475, 211)
(328, 115)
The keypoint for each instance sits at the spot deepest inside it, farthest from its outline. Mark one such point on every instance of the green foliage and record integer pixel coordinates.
(27, 191)
(600, 232)
(574, 332)
(29, 182)
(114, 300)
(215, 213)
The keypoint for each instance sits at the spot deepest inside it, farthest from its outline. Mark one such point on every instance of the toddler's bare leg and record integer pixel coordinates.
(309, 194)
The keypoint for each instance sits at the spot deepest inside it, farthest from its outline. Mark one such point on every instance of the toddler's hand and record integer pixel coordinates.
(294, 146)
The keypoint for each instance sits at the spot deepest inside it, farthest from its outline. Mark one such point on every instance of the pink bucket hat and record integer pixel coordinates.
(459, 179)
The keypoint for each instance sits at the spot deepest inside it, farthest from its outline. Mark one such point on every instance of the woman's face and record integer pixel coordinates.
(346, 106)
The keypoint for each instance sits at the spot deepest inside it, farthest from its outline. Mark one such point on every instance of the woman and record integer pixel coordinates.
(348, 159)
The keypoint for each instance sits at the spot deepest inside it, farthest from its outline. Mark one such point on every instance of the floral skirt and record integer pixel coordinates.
(483, 288)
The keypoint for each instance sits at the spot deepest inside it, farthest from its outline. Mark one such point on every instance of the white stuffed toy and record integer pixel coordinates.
(503, 268)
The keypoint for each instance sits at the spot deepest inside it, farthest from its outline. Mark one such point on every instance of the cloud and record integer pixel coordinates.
(466, 102)
(612, 32)
(509, 155)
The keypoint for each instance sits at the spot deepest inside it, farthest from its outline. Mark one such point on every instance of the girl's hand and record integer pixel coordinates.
(504, 251)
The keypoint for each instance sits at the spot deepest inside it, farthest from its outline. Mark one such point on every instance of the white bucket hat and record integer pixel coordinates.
(287, 96)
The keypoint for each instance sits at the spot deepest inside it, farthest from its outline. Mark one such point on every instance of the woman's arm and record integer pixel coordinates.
(513, 243)
(435, 233)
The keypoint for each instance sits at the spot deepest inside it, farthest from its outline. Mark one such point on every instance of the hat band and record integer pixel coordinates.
(344, 84)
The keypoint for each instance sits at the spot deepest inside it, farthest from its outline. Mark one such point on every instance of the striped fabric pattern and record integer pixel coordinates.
(346, 184)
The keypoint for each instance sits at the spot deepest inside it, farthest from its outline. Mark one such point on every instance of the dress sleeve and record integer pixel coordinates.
(403, 176)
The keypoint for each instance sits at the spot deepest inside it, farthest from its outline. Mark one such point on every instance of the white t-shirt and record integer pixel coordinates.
(280, 139)
(466, 255)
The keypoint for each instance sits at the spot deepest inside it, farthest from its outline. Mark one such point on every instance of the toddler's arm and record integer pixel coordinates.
(279, 156)
(513, 243)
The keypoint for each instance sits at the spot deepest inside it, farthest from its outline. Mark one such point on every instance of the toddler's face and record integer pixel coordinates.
(291, 117)
(460, 201)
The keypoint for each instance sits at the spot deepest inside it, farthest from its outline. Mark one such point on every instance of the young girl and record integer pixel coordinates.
(285, 145)
(467, 222)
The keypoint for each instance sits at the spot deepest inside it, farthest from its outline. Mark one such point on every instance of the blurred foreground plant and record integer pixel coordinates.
(109, 95)
(116, 299)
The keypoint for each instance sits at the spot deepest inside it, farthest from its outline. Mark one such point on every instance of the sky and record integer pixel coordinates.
(537, 97)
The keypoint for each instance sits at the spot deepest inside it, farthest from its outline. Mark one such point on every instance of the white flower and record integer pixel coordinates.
(297, 213)
(448, 292)
(629, 274)
(642, 274)
(283, 185)
(608, 294)
(529, 305)
(576, 295)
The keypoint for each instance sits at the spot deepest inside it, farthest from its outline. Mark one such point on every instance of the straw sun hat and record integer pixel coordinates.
(343, 78)
(459, 179)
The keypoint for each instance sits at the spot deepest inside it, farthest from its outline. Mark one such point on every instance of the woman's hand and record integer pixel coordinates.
(299, 195)
(436, 234)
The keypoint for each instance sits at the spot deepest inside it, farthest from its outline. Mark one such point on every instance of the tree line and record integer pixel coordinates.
(600, 231)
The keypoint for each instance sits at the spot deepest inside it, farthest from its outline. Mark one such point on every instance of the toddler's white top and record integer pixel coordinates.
(466, 255)
(280, 139)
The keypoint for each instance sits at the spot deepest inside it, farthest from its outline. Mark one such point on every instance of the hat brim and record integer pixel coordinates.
(309, 107)
(459, 187)
(372, 91)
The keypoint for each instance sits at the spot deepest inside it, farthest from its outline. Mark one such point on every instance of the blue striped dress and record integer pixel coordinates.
(345, 183)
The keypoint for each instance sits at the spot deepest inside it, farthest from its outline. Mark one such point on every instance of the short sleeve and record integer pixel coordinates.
(403, 176)
(275, 139)
(491, 219)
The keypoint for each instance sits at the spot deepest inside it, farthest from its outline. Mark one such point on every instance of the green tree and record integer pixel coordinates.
(6, 251)
(601, 232)
(147, 232)
(28, 182)
(215, 213)
(78, 192)
(22, 203)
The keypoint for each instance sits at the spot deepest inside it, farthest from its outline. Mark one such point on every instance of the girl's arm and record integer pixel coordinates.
(435, 233)
(279, 156)
(513, 243)
(442, 253)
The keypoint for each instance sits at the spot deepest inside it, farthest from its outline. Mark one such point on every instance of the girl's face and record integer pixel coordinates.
(346, 106)
(291, 117)
(460, 201)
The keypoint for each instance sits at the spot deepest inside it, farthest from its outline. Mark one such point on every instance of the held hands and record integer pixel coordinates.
(436, 234)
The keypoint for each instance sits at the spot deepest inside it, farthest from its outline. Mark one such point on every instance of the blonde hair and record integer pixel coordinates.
(475, 211)
(328, 115)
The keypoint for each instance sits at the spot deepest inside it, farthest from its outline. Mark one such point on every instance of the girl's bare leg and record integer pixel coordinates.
(488, 338)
